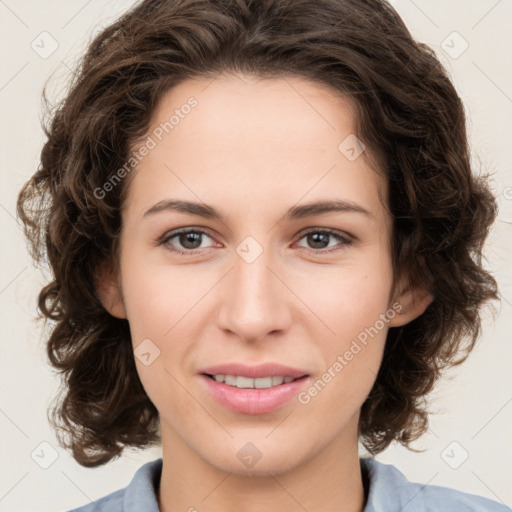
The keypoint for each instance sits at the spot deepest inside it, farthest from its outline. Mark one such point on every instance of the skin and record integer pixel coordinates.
(253, 148)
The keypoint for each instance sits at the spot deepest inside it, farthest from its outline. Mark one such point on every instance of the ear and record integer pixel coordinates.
(109, 291)
(410, 303)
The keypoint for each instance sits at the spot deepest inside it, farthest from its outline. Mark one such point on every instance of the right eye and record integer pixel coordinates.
(189, 239)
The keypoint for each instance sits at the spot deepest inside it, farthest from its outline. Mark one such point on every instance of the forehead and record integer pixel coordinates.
(260, 141)
(249, 110)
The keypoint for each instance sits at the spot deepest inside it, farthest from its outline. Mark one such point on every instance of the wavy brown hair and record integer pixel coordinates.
(408, 112)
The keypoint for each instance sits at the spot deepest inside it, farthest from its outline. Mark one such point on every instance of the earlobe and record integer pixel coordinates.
(108, 290)
(412, 301)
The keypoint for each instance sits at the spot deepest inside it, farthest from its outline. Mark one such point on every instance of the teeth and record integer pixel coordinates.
(247, 382)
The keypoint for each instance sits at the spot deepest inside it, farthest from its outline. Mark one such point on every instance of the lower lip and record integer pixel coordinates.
(253, 401)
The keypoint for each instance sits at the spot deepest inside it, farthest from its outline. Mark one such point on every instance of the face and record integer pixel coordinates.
(268, 281)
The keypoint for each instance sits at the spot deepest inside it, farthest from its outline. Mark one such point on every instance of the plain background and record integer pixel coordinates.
(468, 446)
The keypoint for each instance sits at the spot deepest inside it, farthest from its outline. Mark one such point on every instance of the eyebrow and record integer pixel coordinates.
(295, 212)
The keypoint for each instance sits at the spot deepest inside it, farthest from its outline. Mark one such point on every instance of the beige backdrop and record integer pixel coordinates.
(474, 403)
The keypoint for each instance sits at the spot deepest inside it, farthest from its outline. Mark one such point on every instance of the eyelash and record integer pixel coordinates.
(345, 240)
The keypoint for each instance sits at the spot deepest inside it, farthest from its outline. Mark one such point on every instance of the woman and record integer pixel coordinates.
(266, 241)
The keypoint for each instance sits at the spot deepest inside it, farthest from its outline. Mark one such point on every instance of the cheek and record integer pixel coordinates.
(160, 308)
(159, 299)
(352, 304)
(345, 299)
(351, 357)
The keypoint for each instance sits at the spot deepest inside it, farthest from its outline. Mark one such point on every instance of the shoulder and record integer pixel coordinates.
(139, 494)
(389, 490)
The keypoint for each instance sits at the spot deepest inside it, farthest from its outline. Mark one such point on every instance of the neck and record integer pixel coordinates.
(331, 481)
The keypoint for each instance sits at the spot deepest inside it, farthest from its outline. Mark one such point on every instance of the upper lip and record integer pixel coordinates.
(260, 370)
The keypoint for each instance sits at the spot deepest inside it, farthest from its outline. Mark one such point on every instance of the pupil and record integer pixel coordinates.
(316, 238)
(186, 237)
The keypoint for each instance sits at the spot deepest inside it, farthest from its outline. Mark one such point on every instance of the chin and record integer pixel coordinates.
(244, 459)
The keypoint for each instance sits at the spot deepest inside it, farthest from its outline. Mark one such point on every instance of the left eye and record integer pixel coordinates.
(318, 239)
(191, 240)
(188, 238)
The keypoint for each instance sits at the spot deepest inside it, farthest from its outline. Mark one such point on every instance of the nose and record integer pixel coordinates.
(255, 302)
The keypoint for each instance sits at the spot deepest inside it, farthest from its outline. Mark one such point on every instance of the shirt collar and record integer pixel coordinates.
(389, 485)
(141, 493)
(386, 485)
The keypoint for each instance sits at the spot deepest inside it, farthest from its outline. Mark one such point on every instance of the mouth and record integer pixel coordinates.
(253, 390)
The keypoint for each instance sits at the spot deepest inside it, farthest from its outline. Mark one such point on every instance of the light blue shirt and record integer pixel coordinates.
(389, 491)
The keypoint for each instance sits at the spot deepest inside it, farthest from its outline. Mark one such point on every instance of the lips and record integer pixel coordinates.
(252, 399)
